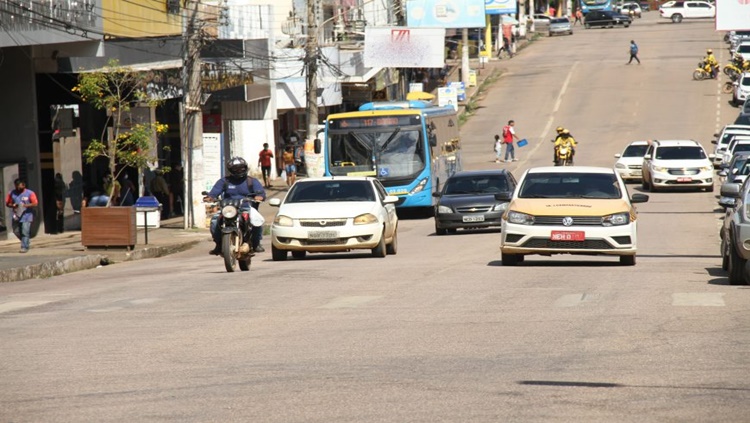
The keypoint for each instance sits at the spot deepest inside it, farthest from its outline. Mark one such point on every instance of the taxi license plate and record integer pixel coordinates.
(473, 218)
(684, 179)
(323, 235)
(568, 236)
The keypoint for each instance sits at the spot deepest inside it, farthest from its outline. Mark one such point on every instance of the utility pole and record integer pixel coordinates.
(311, 72)
(192, 136)
(465, 57)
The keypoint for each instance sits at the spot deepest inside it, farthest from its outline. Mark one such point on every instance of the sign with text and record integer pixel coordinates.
(448, 96)
(501, 7)
(732, 15)
(445, 13)
(404, 47)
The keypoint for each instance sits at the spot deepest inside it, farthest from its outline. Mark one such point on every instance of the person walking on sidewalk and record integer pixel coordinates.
(264, 161)
(633, 52)
(291, 170)
(579, 17)
(509, 134)
(22, 201)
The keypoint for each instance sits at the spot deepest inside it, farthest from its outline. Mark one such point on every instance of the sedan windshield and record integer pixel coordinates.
(330, 190)
(489, 184)
(570, 185)
(389, 154)
(635, 151)
(680, 153)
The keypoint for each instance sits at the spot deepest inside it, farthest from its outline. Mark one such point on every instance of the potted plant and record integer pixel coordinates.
(126, 141)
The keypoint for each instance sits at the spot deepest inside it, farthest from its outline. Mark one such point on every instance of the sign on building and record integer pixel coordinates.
(404, 47)
(448, 96)
(445, 13)
(501, 7)
(732, 15)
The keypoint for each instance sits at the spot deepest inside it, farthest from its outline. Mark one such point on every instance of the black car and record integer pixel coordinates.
(605, 18)
(473, 199)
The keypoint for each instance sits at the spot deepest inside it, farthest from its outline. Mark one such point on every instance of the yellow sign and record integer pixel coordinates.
(472, 78)
(363, 173)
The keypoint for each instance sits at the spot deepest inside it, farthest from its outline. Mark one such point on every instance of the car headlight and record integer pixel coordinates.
(365, 219)
(660, 169)
(229, 211)
(616, 219)
(281, 220)
(707, 168)
(500, 207)
(620, 166)
(520, 218)
(420, 186)
(444, 209)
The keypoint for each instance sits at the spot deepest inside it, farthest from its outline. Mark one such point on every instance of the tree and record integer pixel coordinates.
(116, 90)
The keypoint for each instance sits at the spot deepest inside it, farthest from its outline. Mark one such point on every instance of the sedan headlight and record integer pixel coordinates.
(707, 168)
(229, 211)
(520, 218)
(281, 220)
(660, 169)
(365, 219)
(444, 209)
(616, 219)
(420, 186)
(620, 166)
(500, 207)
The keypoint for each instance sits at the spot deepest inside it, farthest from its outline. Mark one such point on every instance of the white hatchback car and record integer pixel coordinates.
(332, 214)
(630, 161)
(677, 164)
(723, 139)
(741, 89)
(570, 210)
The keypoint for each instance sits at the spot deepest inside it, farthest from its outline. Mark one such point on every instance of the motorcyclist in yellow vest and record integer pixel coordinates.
(711, 63)
(565, 140)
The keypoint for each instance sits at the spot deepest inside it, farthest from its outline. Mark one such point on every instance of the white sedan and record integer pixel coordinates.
(630, 162)
(333, 214)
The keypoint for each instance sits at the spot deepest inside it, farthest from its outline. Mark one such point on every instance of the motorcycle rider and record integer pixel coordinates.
(711, 63)
(558, 139)
(565, 140)
(237, 185)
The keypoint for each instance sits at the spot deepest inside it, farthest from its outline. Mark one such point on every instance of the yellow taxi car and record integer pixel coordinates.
(570, 210)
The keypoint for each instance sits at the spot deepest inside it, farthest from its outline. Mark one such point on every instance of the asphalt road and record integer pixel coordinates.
(441, 331)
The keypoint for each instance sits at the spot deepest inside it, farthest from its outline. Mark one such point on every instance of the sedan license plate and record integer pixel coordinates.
(636, 173)
(684, 179)
(323, 235)
(473, 218)
(568, 236)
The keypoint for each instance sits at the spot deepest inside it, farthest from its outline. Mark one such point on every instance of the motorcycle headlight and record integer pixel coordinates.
(444, 209)
(660, 169)
(616, 219)
(520, 218)
(420, 186)
(620, 166)
(500, 207)
(281, 220)
(229, 211)
(365, 219)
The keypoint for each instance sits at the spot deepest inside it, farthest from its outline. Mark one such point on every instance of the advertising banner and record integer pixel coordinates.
(732, 15)
(445, 13)
(404, 47)
(500, 7)
(448, 96)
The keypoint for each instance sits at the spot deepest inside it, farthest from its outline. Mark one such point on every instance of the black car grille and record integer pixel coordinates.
(322, 223)
(513, 238)
(577, 220)
(637, 167)
(622, 240)
(474, 209)
(691, 171)
(589, 244)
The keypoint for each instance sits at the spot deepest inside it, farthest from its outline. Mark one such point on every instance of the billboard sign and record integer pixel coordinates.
(404, 47)
(445, 13)
(732, 15)
(501, 7)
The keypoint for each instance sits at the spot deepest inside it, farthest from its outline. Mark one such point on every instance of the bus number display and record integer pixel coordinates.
(373, 122)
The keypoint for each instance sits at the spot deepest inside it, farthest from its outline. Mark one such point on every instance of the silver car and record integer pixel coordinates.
(560, 26)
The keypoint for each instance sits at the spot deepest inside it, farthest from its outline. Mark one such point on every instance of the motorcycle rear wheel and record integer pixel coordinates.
(227, 250)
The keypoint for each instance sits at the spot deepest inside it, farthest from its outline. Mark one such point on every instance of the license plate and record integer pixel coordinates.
(568, 236)
(473, 218)
(636, 173)
(685, 179)
(323, 235)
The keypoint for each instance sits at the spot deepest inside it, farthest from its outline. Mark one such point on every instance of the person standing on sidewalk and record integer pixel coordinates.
(289, 167)
(633, 53)
(579, 17)
(509, 134)
(264, 161)
(22, 201)
(498, 148)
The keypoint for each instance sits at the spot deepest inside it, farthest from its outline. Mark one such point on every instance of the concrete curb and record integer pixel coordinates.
(51, 268)
(155, 252)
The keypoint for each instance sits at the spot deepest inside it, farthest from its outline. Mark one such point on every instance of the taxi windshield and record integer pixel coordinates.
(570, 185)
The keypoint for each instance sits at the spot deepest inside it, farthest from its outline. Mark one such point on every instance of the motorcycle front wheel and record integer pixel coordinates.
(228, 242)
(727, 88)
(698, 75)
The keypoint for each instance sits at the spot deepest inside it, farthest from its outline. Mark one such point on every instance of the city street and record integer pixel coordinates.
(441, 331)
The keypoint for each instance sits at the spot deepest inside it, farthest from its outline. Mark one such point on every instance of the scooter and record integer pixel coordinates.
(236, 232)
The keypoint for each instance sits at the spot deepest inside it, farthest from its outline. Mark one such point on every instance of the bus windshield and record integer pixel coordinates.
(595, 2)
(388, 154)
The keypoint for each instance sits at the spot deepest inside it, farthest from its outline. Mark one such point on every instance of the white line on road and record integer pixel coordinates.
(20, 305)
(558, 102)
(350, 302)
(574, 300)
(699, 299)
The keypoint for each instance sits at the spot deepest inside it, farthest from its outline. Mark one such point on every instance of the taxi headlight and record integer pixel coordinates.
(282, 220)
(500, 207)
(365, 219)
(620, 166)
(444, 209)
(229, 211)
(520, 218)
(616, 219)
(420, 186)
(660, 169)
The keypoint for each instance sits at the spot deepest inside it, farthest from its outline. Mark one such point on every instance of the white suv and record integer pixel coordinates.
(677, 164)
(741, 89)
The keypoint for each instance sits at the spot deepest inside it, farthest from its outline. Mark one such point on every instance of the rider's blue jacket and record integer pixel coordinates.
(236, 188)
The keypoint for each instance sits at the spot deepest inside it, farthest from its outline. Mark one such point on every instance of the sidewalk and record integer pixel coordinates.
(52, 255)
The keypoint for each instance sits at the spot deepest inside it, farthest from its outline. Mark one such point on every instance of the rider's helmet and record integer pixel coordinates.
(709, 51)
(565, 133)
(237, 167)
(560, 129)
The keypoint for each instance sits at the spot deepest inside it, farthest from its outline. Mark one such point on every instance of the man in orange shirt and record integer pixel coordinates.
(264, 161)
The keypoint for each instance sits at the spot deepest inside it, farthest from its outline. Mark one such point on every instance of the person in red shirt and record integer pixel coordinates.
(264, 161)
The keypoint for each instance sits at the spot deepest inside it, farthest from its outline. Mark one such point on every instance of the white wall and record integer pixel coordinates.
(248, 137)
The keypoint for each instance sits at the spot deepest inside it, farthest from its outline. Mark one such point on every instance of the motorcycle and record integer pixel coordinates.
(703, 71)
(728, 86)
(236, 232)
(736, 68)
(564, 155)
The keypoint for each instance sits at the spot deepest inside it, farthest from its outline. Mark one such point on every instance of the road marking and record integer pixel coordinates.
(575, 300)
(350, 302)
(558, 102)
(20, 305)
(698, 299)
(144, 301)
(105, 310)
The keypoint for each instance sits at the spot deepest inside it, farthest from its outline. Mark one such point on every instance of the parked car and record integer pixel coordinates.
(724, 138)
(630, 161)
(570, 210)
(645, 6)
(735, 233)
(677, 164)
(735, 172)
(606, 18)
(332, 214)
(739, 144)
(560, 26)
(743, 49)
(741, 88)
(626, 8)
(469, 199)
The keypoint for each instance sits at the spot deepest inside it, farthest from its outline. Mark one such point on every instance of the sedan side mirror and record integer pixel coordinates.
(316, 145)
(437, 194)
(275, 202)
(390, 199)
(723, 172)
(712, 156)
(647, 157)
(714, 142)
(503, 196)
(618, 155)
(731, 190)
(639, 198)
